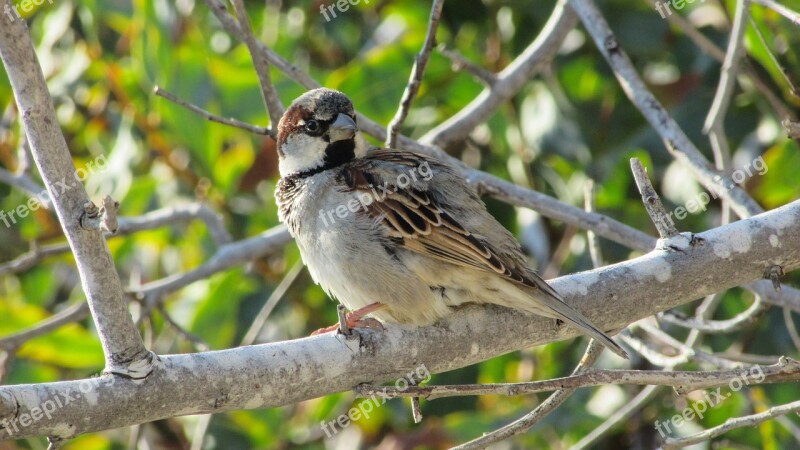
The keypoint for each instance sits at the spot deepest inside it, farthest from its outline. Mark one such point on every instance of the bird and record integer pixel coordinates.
(398, 235)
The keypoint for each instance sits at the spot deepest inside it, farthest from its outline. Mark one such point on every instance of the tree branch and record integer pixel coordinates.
(718, 326)
(415, 79)
(123, 347)
(128, 225)
(671, 134)
(255, 129)
(509, 81)
(287, 372)
(552, 402)
(652, 202)
(268, 93)
(682, 381)
(780, 9)
(730, 424)
(227, 256)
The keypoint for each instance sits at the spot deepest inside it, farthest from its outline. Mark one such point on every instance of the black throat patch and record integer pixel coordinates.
(336, 154)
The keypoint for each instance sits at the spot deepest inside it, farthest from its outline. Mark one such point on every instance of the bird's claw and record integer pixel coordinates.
(356, 319)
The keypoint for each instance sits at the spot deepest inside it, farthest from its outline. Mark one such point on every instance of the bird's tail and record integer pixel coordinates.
(550, 299)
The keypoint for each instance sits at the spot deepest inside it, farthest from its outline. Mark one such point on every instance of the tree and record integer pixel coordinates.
(91, 126)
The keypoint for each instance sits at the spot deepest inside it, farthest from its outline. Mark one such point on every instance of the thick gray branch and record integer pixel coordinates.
(288, 372)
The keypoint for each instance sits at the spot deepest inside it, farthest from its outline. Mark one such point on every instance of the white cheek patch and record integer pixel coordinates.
(302, 152)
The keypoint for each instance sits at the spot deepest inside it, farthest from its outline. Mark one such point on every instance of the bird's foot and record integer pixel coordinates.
(356, 319)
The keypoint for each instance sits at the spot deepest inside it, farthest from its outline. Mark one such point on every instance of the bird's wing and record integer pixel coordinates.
(418, 221)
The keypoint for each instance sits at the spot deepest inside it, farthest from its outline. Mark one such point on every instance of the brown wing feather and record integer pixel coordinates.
(423, 226)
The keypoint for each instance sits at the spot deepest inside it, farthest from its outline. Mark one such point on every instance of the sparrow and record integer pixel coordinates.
(397, 234)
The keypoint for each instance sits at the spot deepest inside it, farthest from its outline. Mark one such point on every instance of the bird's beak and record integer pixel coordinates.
(343, 128)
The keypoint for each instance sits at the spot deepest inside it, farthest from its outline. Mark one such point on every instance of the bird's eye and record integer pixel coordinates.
(312, 126)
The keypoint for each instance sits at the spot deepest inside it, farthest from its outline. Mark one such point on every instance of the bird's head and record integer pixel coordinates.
(318, 132)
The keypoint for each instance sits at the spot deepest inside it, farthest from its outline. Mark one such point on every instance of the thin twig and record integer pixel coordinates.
(128, 225)
(784, 72)
(652, 355)
(268, 93)
(227, 256)
(415, 79)
(199, 434)
(416, 410)
(652, 202)
(780, 9)
(7, 356)
(791, 328)
(594, 244)
(787, 424)
(749, 358)
(33, 257)
(460, 62)
(787, 297)
(523, 424)
(705, 311)
(692, 353)
(27, 185)
(179, 213)
(213, 117)
(621, 415)
(74, 313)
(730, 65)
(683, 382)
(785, 369)
(738, 322)
(705, 44)
(732, 424)
(199, 343)
(231, 25)
(560, 254)
(341, 311)
(276, 295)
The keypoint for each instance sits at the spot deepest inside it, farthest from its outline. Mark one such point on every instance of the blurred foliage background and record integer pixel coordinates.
(102, 60)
